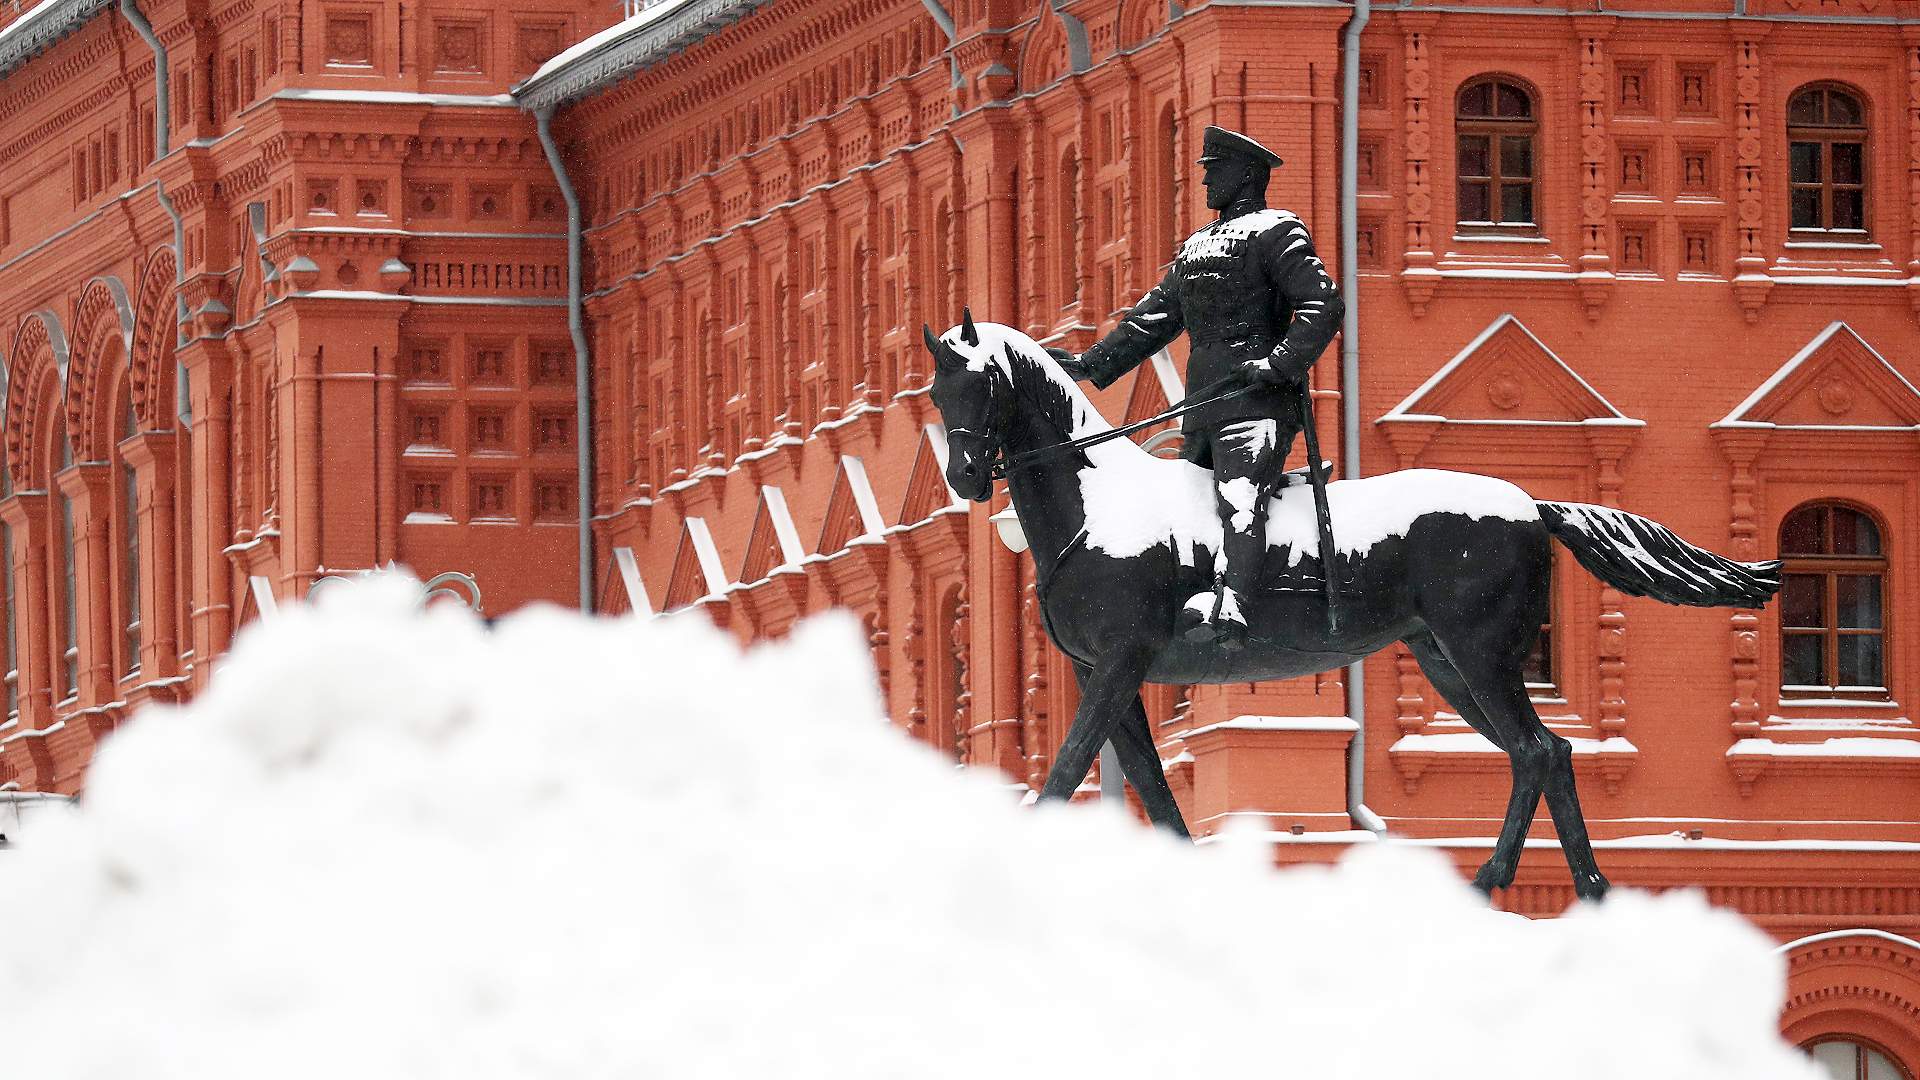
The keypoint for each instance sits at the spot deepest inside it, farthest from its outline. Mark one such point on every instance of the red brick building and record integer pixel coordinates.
(291, 290)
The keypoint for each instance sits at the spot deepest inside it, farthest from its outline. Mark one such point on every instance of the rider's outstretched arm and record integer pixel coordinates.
(1151, 326)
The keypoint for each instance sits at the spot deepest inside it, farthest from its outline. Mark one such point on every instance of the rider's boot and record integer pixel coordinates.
(1213, 616)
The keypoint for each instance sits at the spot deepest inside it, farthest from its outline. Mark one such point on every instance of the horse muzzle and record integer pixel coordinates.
(970, 476)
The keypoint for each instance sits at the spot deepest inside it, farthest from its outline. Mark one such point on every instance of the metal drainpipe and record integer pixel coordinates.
(161, 129)
(1357, 808)
(582, 372)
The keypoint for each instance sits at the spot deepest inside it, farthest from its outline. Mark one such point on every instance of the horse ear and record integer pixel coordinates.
(967, 332)
(933, 343)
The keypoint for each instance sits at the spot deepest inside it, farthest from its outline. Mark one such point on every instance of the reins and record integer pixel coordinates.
(1218, 390)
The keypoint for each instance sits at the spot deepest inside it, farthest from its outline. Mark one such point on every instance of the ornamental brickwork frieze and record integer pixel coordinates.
(1751, 283)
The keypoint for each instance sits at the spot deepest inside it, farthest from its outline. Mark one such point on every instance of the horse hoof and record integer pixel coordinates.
(1591, 887)
(1488, 879)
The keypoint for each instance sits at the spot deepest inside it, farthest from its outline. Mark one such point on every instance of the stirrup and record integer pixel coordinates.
(1195, 621)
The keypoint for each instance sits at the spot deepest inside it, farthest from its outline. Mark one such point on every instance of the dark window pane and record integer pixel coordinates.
(1805, 532)
(1849, 208)
(1860, 660)
(1477, 100)
(1473, 201)
(1854, 533)
(1804, 165)
(1805, 108)
(1516, 204)
(1859, 600)
(1474, 157)
(1539, 666)
(1800, 660)
(1806, 209)
(1843, 109)
(1514, 103)
(1803, 602)
(1847, 158)
(1516, 157)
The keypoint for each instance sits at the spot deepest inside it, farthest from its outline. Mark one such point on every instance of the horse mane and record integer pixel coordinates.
(1040, 382)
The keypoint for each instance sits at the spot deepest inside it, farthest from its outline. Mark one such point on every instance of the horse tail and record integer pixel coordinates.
(1641, 557)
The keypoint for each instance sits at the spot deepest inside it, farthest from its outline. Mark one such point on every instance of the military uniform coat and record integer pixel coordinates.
(1238, 287)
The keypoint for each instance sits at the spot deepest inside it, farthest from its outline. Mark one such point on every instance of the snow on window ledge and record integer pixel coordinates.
(1414, 756)
(1878, 755)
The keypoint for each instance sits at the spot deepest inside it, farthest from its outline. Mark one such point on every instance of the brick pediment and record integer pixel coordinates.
(927, 490)
(1148, 396)
(1506, 375)
(696, 567)
(772, 542)
(1836, 380)
(852, 510)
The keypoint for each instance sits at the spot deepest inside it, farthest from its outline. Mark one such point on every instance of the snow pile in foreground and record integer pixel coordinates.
(399, 845)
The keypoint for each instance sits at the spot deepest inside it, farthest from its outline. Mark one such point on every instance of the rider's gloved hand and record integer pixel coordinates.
(1278, 368)
(1075, 368)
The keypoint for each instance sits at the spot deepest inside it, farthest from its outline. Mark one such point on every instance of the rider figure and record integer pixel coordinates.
(1254, 301)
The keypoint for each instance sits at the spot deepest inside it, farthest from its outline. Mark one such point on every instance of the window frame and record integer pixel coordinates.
(127, 551)
(1861, 1048)
(1831, 567)
(1825, 136)
(1495, 129)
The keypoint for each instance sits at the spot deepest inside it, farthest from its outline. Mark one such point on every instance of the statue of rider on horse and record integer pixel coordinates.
(1256, 303)
(1150, 570)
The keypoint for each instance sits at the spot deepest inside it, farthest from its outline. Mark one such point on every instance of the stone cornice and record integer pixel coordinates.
(41, 29)
(623, 54)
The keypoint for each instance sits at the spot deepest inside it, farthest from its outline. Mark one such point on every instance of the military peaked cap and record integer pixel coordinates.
(1219, 143)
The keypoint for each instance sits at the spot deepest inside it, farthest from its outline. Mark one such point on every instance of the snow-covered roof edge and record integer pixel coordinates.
(658, 32)
(40, 28)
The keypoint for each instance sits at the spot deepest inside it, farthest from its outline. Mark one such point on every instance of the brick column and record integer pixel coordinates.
(89, 486)
(152, 456)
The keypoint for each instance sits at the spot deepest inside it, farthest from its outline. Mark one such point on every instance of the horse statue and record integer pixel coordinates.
(1452, 564)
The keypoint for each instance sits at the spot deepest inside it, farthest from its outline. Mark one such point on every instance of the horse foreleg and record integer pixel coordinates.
(1104, 693)
(1139, 758)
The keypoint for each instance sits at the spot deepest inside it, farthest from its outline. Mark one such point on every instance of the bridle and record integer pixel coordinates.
(994, 438)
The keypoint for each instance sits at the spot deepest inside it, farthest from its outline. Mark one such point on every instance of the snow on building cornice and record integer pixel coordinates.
(658, 32)
(42, 27)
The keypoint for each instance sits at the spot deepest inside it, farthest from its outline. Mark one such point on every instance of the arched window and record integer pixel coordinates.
(129, 534)
(182, 521)
(1833, 632)
(67, 664)
(1165, 205)
(1827, 160)
(1494, 136)
(1844, 1059)
(12, 658)
(1069, 225)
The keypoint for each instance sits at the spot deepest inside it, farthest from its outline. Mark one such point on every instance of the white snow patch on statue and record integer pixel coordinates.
(1135, 500)
(395, 843)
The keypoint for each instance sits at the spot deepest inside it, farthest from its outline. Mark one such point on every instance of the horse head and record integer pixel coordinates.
(974, 398)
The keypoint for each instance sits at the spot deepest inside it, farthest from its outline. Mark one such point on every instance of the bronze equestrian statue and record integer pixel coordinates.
(1453, 565)
(1255, 301)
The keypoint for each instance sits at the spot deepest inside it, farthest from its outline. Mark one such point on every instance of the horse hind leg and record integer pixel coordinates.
(1542, 764)
(1497, 872)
